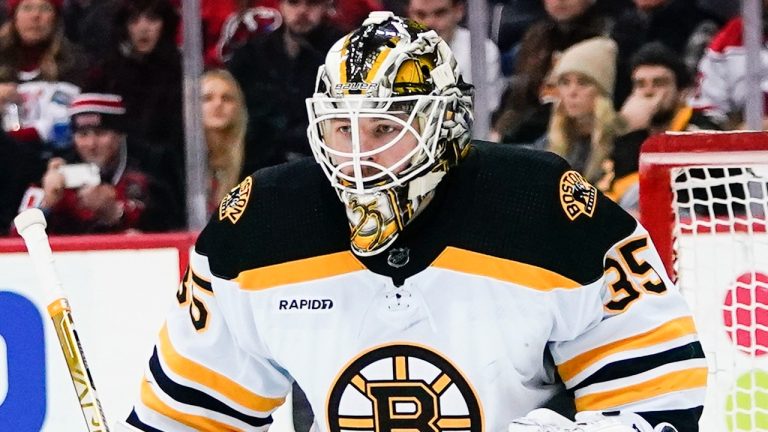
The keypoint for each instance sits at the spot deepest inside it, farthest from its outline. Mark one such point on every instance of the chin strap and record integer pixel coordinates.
(545, 420)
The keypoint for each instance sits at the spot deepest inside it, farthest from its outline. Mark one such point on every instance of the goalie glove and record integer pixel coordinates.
(545, 420)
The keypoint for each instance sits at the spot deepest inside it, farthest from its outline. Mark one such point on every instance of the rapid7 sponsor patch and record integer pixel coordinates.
(307, 304)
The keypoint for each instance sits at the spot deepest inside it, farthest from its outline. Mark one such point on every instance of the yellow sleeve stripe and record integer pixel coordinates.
(152, 401)
(298, 271)
(668, 383)
(215, 381)
(527, 275)
(666, 332)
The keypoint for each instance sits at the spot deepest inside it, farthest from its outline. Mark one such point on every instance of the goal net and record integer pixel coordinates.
(704, 200)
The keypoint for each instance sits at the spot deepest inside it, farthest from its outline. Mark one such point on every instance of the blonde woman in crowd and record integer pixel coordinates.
(224, 121)
(584, 123)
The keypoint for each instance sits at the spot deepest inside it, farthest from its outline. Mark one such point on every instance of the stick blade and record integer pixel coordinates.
(28, 218)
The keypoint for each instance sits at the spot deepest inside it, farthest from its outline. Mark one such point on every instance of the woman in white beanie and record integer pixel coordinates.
(584, 123)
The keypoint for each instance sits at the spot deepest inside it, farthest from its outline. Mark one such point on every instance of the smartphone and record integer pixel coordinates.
(79, 175)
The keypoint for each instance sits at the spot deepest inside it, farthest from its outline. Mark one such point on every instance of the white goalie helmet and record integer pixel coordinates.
(390, 115)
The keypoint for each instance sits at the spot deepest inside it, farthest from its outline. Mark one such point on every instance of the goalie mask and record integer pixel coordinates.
(390, 115)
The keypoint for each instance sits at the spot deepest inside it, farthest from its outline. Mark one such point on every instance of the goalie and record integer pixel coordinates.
(438, 285)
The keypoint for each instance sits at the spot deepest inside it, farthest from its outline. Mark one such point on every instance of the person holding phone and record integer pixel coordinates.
(98, 188)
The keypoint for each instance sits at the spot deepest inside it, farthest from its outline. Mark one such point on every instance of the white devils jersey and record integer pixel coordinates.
(481, 314)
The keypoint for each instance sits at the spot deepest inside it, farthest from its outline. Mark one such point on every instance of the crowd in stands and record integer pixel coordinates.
(97, 84)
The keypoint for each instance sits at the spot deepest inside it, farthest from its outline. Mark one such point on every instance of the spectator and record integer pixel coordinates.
(722, 87)
(614, 8)
(20, 166)
(229, 24)
(34, 53)
(123, 197)
(584, 123)
(510, 20)
(660, 85)
(398, 7)
(444, 16)
(277, 72)
(725, 9)
(679, 24)
(527, 103)
(144, 68)
(224, 121)
(33, 47)
(85, 18)
(345, 15)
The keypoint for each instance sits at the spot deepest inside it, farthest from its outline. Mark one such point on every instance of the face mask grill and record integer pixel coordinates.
(368, 144)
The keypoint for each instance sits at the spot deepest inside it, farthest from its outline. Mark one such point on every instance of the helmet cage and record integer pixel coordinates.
(367, 176)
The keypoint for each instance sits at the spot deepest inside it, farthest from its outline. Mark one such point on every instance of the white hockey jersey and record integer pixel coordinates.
(520, 284)
(722, 75)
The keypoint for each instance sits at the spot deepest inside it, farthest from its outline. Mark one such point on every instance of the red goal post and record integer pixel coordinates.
(663, 152)
(704, 200)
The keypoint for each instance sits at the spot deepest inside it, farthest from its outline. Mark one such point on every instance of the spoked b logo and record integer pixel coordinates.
(402, 388)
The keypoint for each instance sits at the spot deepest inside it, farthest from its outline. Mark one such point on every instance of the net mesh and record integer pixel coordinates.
(721, 261)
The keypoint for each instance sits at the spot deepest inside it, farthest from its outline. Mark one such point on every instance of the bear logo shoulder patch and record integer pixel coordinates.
(577, 196)
(233, 205)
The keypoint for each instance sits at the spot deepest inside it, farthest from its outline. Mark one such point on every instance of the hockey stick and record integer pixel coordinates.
(31, 225)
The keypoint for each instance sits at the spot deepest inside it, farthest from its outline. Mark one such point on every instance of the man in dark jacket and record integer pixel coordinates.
(660, 85)
(277, 73)
(20, 165)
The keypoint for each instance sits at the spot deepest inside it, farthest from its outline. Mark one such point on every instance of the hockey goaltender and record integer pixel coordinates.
(468, 285)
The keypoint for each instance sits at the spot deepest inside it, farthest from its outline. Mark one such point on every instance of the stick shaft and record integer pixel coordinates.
(58, 309)
(78, 367)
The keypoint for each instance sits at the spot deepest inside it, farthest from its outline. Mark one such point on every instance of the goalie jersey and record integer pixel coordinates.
(519, 284)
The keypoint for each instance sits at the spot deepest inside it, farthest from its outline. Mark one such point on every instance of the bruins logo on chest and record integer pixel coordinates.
(402, 388)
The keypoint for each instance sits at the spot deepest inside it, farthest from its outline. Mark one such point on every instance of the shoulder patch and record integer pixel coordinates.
(577, 196)
(233, 205)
